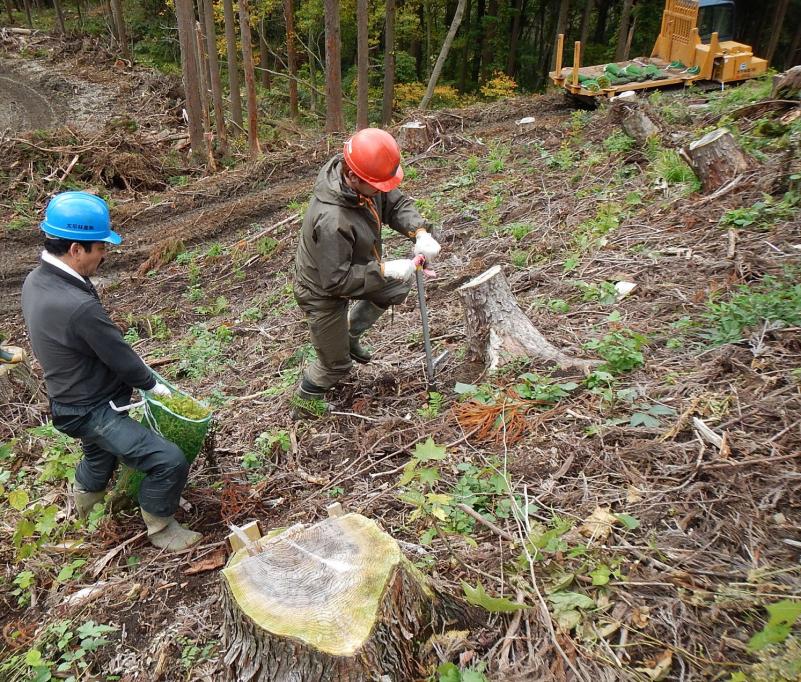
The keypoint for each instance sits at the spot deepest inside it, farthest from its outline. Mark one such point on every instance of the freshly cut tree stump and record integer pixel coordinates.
(333, 601)
(499, 331)
(716, 159)
(413, 136)
(17, 382)
(633, 119)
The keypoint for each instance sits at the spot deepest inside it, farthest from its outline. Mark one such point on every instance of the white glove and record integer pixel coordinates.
(402, 269)
(426, 245)
(160, 389)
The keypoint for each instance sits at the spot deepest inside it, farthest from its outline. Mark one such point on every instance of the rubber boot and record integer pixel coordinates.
(85, 501)
(361, 316)
(308, 401)
(165, 532)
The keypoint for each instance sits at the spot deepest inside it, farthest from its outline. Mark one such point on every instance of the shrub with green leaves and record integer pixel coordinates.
(763, 214)
(772, 301)
(621, 349)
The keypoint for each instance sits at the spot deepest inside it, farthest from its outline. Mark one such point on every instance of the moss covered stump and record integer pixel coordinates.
(335, 601)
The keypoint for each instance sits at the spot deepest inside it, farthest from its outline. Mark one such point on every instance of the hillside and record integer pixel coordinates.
(643, 548)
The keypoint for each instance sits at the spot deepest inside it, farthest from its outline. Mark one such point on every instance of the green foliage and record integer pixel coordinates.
(618, 143)
(449, 672)
(61, 651)
(604, 293)
(434, 406)
(754, 90)
(478, 597)
(543, 389)
(496, 160)
(519, 230)
(204, 352)
(763, 214)
(669, 167)
(621, 349)
(266, 246)
(590, 232)
(194, 652)
(217, 307)
(782, 616)
(519, 258)
(771, 301)
(499, 86)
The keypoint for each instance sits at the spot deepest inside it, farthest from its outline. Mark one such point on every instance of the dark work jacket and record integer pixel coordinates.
(84, 357)
(339, 250)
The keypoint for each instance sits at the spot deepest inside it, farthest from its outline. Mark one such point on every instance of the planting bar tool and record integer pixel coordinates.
(421, 298)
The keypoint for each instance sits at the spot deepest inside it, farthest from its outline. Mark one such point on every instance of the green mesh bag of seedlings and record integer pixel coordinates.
(180, 419)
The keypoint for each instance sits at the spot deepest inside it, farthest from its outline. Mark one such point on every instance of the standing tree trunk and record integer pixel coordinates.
(793, 54)
(490, 31)
(119, 23)
(250, 80)
(585, 21)
(443, 54)
(203, 77)
(389, 64)
(264, 54)
(334, 120)
(465, 52)
(313, 71)
(362, 48)
(292, 59)
(623, 30)
(214, 70)
(62, 27)
(185, 12)
(498, 330)
(27, 4)
(10, 11)
(600, 26)
(514, 37)
(479, 40)
(561, 24)
(425, 9)
(233, 67)
(776, 29)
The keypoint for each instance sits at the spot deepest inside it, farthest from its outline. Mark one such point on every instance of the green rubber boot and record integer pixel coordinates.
(165, 532)
(361, 316)
(85, 501)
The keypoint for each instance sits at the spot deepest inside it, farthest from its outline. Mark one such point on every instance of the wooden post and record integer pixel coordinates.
(233, 67)
(214, 69)
(576, 62)
(250, 80)
(560, 51)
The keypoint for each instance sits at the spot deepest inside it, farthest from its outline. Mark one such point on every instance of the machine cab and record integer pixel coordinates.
(715, 16)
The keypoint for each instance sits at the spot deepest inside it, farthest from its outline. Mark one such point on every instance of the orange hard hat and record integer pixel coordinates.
(374, 156)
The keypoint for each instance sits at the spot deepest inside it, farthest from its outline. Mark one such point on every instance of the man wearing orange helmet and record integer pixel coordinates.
(339, 256)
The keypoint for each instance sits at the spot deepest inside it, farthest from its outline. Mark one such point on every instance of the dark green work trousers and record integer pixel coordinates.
(328, 324)
(108, 437)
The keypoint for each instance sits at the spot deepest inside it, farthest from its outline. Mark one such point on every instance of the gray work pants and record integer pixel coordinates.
(328, 327)
(108, 437)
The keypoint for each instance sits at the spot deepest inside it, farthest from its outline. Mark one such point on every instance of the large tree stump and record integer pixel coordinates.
(499, 331)
(716, 159)
(414, 136)
(18, 385)
(633, 118)
(333, 601)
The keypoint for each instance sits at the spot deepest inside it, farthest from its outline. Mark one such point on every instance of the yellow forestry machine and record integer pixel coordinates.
(694, 44)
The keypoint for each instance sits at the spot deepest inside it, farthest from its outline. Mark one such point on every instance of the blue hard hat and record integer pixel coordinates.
(80, 216)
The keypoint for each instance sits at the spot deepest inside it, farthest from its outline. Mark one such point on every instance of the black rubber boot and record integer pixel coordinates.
(308, 402)
(361, 316)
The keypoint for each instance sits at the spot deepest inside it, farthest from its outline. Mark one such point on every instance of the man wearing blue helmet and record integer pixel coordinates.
(89, 369)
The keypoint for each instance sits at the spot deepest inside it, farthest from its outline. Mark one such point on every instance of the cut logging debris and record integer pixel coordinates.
(716, 159)
(333, 601)
(498, 330)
